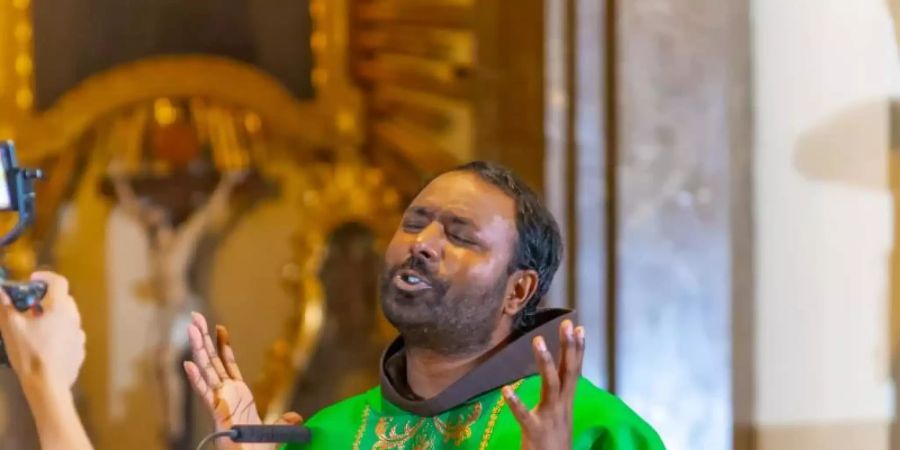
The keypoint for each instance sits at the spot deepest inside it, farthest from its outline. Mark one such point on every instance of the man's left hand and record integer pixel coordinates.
(549, 425)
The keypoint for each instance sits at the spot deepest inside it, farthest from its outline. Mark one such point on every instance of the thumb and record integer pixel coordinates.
(289, 418)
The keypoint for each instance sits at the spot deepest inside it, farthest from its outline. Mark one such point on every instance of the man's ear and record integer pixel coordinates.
(520, 287)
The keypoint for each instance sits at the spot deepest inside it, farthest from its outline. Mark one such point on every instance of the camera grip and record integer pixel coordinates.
(24, 296)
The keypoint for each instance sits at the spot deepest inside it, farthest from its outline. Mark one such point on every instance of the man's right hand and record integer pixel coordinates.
(215, 376)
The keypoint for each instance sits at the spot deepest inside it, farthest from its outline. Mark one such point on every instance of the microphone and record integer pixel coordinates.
(277, 434)
(270, 433)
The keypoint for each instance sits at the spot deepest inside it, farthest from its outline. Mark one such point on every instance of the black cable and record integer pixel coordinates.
(212, 436)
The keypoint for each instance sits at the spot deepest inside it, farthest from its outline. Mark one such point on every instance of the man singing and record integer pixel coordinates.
(477, 364)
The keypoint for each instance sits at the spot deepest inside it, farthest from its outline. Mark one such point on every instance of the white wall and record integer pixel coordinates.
(824, 72)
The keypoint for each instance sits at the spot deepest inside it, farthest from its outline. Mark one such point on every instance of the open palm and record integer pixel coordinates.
(549, 425)
(215, 376)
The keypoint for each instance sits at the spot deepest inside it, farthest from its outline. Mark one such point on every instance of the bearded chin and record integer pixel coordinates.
(443, 321)
(448, 337)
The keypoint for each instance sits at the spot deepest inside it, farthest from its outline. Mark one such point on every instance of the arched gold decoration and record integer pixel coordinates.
(218, 78)
(344, 193)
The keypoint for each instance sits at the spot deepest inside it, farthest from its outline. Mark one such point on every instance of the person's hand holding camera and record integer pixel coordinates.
(45, 347)
(47, 344)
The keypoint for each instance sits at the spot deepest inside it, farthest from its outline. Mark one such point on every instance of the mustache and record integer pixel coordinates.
(426, 271)
(417, 263)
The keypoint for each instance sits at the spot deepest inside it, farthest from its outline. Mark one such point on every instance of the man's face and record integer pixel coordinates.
(446, 268)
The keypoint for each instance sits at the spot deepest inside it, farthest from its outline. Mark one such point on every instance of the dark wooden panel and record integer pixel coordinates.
(75, 39)
(509, 90)
(683, 195)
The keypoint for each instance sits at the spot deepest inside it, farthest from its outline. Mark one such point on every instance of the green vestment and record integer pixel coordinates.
(469, 416)
(368, 421)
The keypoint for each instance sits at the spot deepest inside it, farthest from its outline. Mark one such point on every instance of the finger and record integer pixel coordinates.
(289, 418)
(57, 285)
(202, 359)
(569, 367)
(520, 411)
(579, 348)
(53, 279)
(196, 340)
(548, 371)
(199, 321)
(199, 384)
(214, 359)
(224, 343)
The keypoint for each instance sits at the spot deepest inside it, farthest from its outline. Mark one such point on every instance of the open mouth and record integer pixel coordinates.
(410, 280)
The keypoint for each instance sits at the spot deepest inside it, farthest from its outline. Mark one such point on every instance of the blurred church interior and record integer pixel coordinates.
(725, 173)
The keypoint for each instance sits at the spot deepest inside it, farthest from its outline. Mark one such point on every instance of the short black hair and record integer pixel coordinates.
(539, 245)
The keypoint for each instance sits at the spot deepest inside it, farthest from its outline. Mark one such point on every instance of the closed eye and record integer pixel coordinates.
(414, 225)
(416, 219)
(462, 239)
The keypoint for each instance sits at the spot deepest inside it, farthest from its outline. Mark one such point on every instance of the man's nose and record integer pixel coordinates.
(428, 243)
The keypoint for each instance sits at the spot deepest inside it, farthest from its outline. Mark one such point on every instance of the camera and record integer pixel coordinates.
(17, 195)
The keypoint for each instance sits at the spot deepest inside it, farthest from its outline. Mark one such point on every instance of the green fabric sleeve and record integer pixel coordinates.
(334, 427)
(600, 420)
(603, 422)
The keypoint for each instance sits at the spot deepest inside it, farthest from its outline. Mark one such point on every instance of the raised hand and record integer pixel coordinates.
(549, 425)
(216, 377)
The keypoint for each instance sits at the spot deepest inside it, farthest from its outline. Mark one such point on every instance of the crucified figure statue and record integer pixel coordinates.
(171, 250)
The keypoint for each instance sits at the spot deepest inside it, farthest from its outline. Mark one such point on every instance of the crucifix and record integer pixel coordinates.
(174, 227)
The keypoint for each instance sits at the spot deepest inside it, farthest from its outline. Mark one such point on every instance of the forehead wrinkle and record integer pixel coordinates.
(468, 196)
(475, 209)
